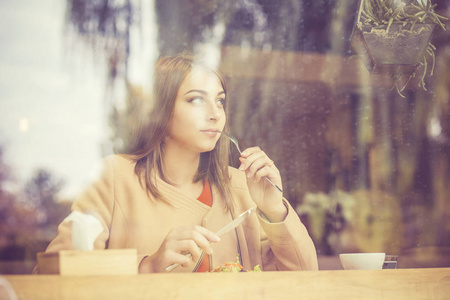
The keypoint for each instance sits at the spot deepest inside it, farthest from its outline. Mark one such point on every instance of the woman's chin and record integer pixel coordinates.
(207, 148)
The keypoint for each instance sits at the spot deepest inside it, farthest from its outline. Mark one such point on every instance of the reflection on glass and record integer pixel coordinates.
(366, 169)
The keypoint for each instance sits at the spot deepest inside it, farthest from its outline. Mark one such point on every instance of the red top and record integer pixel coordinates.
(205, 198)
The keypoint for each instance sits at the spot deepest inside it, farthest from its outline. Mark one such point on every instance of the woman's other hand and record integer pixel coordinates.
(257, 165)
(179, 242)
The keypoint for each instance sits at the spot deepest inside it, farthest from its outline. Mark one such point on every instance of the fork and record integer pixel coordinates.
(235, 141)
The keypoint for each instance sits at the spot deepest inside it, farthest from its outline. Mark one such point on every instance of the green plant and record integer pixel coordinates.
(387, 12)
(381, 14)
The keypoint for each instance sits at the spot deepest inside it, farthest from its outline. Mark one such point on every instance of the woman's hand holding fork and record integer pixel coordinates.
(257, 165)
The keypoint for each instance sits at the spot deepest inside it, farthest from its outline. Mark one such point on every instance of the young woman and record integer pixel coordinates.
(175, 189)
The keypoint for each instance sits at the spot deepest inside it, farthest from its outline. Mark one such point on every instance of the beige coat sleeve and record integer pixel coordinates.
(280, 246)
(98, 200)
(287, 246)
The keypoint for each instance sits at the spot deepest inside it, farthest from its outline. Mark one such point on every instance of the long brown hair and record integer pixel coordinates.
(148, 148)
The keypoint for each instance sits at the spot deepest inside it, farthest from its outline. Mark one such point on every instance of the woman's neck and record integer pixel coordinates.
(180, 165)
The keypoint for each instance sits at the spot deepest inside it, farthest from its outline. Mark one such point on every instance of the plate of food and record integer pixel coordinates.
(234, 267)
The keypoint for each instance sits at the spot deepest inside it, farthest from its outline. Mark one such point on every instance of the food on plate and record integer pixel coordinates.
(234, 267)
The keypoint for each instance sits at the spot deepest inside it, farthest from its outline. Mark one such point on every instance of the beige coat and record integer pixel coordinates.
(133, 220)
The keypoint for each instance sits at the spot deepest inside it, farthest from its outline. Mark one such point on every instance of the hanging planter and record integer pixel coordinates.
(394, 36)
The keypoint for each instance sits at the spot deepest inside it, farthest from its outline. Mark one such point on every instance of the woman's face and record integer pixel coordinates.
(198, 112)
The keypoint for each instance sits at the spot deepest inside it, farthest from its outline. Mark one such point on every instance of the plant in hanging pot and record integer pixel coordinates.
(394, 36)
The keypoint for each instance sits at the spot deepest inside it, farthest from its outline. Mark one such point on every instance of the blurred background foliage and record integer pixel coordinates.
(28, 218)
(365, 169)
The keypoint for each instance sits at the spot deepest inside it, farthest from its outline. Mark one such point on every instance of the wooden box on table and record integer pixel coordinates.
(95, 262)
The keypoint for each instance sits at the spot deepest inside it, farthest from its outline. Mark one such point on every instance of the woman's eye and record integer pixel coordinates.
(221, 102)
(196, 100)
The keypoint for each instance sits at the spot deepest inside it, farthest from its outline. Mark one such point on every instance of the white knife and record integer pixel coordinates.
(230, 226)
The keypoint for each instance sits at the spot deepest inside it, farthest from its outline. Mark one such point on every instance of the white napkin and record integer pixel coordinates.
(85, 230)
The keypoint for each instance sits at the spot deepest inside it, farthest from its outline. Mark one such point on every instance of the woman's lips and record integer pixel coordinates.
(210, 132)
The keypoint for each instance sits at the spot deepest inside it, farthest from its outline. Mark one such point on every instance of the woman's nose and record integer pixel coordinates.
(213, 111)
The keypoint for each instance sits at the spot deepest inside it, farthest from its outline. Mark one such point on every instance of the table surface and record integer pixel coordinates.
(432, 283)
